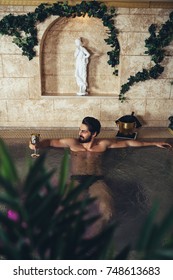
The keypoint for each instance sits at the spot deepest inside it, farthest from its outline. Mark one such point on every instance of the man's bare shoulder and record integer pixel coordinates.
(63, 142)
(111, 143)
(69, 140)
(104, 141)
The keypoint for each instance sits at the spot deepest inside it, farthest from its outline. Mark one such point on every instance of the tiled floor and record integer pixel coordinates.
(142, 133)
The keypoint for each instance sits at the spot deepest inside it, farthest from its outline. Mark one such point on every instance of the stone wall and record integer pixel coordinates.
(42, 92)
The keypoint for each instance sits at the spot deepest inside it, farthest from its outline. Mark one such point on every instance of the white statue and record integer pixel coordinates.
(81, 55)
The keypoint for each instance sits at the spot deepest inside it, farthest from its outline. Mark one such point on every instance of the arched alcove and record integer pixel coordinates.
(58, 62)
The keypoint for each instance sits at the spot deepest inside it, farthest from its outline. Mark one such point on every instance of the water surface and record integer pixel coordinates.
(137, 177)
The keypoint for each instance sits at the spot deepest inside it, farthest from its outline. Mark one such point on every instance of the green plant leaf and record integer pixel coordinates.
(147, 229)
(64, 171)
(7, 168)
(8, 186)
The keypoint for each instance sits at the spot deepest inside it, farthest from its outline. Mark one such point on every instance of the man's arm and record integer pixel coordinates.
(56, 143)
(135, 143)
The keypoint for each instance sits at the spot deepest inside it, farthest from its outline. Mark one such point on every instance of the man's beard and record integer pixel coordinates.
(82, 140)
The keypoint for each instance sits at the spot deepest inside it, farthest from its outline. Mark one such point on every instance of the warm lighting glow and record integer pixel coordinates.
(84, 18)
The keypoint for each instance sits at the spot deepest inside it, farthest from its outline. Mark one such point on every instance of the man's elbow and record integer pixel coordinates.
(51, 143)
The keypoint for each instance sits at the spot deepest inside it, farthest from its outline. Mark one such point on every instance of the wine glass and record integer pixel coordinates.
(35, 138)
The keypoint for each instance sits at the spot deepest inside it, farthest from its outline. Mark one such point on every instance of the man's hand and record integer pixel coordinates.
(163, 145)
(31, 146)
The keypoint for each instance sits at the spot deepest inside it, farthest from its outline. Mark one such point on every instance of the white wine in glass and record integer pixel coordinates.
(35, 138)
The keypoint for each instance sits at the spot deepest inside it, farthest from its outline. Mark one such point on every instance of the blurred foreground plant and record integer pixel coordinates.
(156, 240)
(40, 219)
(43, 220)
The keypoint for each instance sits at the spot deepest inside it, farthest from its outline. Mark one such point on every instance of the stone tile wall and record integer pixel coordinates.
(42, 92)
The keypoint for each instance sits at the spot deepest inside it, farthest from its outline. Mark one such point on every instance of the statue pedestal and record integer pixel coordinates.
(82, 93)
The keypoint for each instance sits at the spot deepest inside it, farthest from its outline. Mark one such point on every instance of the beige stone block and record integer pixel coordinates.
(2, 9)
(122, 11)
(37, 50)
(134, 23)
(7, 46)
(1, 15)
(138, 91)
(96, 42)
(1, 68)
(171, 90)
(59, 85)
(76, 109)
(40, 35)
(51, 64)
(133, 43)
(151, 11)
(98, 65)
(103, 85)
(159, 109)
(109, 124)
(49, 85)
(160, 12)
(12, 9)
(159, 89)
(168, 66)
(29, 9)
(150, 89)
(16, 111)
(142, 11)
(34, 88)
(157, 124)
(112, 109)
(12, 88)
(108, 109)
(169, 49)
(19, 66)
(12, 124)
(3, 111)
(39, 110)
(67, 65)
(161, 19)
(130, 65)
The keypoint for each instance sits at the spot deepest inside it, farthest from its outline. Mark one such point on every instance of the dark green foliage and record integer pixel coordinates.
(156, 240)
(23, 28)
(140, 76)
(155, 44)
(156, 71)
(47, 221)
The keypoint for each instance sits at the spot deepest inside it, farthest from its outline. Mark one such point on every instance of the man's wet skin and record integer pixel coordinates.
(86, 159)
(84, 164)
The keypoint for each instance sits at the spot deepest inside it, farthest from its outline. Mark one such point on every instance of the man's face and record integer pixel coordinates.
(85, 136)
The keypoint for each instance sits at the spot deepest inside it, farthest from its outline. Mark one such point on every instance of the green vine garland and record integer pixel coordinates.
(24, 27)
(156, 44)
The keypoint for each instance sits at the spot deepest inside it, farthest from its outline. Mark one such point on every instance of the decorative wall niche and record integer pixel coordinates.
(58, 63)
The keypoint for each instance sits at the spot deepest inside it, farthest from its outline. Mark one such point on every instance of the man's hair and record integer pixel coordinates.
(92, 124)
